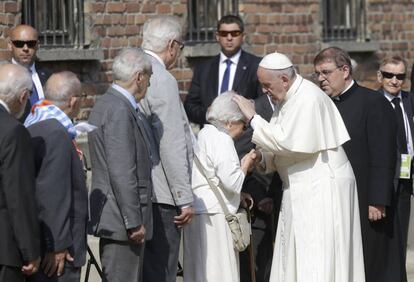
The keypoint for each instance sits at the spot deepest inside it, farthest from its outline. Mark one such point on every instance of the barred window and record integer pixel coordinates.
(60, 23)
(343, 20)
(203, 16)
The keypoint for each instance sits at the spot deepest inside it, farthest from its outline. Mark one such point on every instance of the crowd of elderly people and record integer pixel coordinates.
(343, 153)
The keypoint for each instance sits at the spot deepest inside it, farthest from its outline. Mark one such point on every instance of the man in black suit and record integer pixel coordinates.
(391, 76)
(233, 69)
(61, 192)
(19, 230)
(23, 45)
(371, 124)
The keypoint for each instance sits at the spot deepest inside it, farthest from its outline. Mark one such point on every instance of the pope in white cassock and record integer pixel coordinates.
(319, 234)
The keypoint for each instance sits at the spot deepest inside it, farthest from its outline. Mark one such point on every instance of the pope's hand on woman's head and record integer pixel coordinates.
(246, 106)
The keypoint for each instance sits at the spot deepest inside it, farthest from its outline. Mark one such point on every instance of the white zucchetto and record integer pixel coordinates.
(275, 61)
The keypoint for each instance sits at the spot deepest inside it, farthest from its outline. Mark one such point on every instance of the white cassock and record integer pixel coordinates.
(319, 234)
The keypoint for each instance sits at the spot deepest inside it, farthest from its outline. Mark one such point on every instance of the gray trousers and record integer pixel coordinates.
(121, 261)
(161, 252)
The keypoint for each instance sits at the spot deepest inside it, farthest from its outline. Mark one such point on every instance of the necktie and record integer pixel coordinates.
(226, 77)
(35, 96)
(150, 136)
(402, 139)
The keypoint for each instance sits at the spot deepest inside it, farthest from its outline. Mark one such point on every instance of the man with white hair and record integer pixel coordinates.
(121, 156)
(61, 192)
(319, 234)
(19, 236)
(173, 198)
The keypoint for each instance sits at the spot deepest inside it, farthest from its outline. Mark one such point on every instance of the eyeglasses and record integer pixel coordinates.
(180, 44)
(324, 73)
(20, 43)
(390, 75)
(233, 33)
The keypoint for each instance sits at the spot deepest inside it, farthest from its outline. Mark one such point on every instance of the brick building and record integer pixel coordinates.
(85, 35)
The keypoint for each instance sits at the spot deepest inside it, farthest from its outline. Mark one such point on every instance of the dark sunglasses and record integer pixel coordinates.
(233, 33)
(390, 75)
(180, 44)
(20, 43)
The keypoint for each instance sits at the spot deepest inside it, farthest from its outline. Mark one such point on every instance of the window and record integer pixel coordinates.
(343, 20)
(59, 22)
(203, 16)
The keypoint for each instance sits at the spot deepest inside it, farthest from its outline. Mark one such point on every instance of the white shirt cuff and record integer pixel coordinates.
(253, 122)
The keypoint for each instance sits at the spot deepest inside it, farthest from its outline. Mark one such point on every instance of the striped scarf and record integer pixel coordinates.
(44, 110)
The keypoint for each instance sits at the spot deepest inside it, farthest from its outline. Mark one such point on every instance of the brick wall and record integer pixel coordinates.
(288, 26)
(391, 23)
(9, 16)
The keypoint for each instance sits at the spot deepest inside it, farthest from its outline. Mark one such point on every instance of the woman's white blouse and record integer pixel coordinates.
(219, 156)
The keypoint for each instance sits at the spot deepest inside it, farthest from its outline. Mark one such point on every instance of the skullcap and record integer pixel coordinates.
(275, 61)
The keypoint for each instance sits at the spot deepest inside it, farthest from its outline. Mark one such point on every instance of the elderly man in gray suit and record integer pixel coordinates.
(172, 208)
(120, 151)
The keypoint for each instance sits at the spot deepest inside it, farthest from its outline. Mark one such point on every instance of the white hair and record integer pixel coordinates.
(14, 83)
(130, 61)
(159, 31)
(224, 109)
(68, 86)
(290, 72)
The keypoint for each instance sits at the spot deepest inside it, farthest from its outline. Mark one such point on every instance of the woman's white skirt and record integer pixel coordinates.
(209, 254)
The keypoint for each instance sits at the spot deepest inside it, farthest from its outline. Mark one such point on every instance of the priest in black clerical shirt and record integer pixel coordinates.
(372, 126)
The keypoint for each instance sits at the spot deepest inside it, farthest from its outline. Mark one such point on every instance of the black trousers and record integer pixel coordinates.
(71, 274)
(161, 252)
(262, 239)
(404, 192)
(11, 274)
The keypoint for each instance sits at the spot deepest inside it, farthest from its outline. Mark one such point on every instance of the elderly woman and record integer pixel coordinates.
(209, 254)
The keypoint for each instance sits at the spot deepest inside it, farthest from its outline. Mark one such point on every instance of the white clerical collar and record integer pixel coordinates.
(349, 87)
(149, 52)
(126, 94)
(5, 106)
(390, 96)
(234, 59)
(294, 88)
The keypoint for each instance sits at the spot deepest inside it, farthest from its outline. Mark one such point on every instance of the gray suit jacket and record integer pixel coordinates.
(121, 169)
(165, 111)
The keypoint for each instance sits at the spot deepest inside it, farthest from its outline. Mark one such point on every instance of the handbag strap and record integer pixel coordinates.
(213, 186)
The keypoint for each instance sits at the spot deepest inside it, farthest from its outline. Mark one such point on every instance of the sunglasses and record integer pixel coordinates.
(390, 75)
(20, 43)
(180, 44)
(233, 33)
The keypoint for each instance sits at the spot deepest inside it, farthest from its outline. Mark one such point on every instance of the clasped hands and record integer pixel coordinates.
(250, 160)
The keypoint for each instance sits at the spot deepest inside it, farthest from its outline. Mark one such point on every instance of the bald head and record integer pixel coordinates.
(63, 89)
(23, 31)
(23, 44)
(15, 86)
